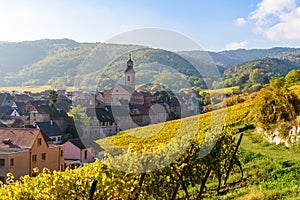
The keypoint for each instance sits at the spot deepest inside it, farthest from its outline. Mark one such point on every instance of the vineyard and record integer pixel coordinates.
(159, 162)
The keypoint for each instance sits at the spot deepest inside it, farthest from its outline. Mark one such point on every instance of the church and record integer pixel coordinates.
(131, 108)
(124, 93)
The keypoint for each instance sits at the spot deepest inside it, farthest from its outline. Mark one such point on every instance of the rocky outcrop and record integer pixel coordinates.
(280, 135)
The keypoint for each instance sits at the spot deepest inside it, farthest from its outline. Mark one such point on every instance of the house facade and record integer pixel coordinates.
(40, 113)
(22, 150)
(81, 150)
(101, 124)
(13, 160)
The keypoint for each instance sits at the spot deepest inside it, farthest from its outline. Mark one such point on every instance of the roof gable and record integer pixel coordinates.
(14, 105)
(15, 114)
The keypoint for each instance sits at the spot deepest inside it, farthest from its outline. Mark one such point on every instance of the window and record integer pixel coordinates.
(2, 162)
(2, 179)
(61, 153)
(34, 158)
(85, 154)
(43, 156)
(39, 141)
(11, 162)
(128, 78)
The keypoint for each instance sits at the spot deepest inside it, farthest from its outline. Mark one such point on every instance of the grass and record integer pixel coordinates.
(255, 143)
(266, 178)
(270, 172)
(228, 90)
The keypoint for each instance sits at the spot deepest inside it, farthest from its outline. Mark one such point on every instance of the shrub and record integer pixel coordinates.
(273, 105)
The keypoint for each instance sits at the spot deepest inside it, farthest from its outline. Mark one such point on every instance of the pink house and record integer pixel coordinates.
(81, 150)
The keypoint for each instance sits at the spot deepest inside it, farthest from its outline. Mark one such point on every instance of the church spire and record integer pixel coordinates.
(130, 73)
(129, 63)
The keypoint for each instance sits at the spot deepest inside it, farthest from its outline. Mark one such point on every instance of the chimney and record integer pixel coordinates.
(6, 141)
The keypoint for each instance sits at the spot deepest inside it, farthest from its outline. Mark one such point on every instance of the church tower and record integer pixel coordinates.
(130, 74)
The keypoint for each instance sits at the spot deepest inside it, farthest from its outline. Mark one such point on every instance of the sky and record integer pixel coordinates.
(214, 25)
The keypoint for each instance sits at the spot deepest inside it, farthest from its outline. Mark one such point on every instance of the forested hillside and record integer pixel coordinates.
(261, 71)
(60, 62)
(231, 58)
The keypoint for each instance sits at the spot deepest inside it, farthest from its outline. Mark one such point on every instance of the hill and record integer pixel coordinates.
(151, 66)
(262, 70)
(57, 62)
(230, 58)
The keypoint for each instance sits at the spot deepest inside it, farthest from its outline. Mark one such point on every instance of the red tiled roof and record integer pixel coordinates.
(19, 137)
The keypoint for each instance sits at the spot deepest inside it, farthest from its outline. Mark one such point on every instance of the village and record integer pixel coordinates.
(37, 131)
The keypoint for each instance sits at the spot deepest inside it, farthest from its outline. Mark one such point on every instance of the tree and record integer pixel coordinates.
(81, 120)
(258, 77)
(293, 77)
(53, 99)
(207, 99)
(273, 105)
(277, 82)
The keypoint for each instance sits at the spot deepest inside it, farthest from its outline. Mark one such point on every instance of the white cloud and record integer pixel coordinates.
(269, 10)
(277, 20)
(236, 45)
(240, 21)
(287, 28)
